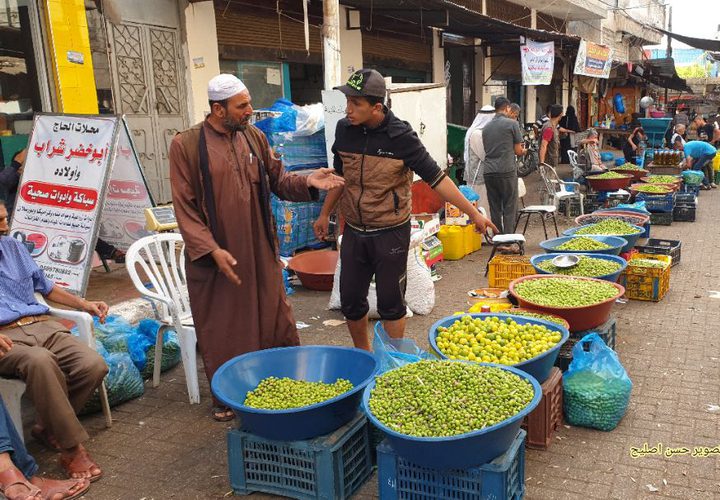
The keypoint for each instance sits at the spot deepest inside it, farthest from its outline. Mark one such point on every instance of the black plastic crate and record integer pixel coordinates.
(661, 218)
(685, 198)
(685, 212)
(656, 246)
(685, 189)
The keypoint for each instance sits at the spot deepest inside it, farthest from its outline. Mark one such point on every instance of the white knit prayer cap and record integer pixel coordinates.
(224, 86)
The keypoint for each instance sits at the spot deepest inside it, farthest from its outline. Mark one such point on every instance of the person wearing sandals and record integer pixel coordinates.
(18, 469)
(59, 371)
(222, 173)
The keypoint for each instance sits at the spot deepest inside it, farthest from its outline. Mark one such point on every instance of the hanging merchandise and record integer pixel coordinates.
(619, 101)
(538, 62)
(593, 60)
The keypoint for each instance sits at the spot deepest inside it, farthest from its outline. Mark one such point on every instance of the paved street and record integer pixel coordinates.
(162, 447)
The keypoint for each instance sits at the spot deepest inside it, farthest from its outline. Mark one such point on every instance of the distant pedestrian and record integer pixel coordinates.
(502, 140)
(550, 137)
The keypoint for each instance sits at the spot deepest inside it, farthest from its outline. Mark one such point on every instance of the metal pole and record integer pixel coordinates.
(668, 52)
(331, 43)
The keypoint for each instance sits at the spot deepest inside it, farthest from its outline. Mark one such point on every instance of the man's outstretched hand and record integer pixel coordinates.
(482, 224)
(226, 262)
(325, 178)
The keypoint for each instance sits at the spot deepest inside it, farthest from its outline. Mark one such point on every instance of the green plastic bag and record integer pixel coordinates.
(596, 387)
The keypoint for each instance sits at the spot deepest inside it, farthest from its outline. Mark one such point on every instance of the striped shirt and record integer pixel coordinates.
(20, 278)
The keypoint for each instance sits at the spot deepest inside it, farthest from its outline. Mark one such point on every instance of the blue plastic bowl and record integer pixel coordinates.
(234, 379)
(616, 245)
(539, 366)
(537, 259)
(619, 161)
(631, 239)
(464, 450)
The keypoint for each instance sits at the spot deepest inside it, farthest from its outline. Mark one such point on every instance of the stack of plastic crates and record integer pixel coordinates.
(294, 222)
(660, 207)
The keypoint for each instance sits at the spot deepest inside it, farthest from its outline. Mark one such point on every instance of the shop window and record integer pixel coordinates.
(267, 82)
(20, 91)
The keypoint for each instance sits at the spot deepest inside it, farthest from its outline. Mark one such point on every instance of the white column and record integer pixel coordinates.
(438, 58)
(351, 58)
(202, 61)
(530, 90)
(487, 71)
(331, 44)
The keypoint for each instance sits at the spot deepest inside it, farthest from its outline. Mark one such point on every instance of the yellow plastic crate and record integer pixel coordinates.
(646, 283)
(505, 268)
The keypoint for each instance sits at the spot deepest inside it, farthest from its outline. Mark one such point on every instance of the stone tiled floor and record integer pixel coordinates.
(162, 447)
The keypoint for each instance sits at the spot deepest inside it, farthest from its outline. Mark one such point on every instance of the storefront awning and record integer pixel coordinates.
(455, 18)
(698, 43)
(661, 72)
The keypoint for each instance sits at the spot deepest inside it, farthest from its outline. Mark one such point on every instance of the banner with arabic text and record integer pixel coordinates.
(593, 60)
(63, 189)
(538, 62)
(123, 216)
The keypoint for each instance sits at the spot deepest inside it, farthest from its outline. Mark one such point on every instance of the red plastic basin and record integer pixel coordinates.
(636, 173)
(316, 269)
(610, 184)
(579, 318)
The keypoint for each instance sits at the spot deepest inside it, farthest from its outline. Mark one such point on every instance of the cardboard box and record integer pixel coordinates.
(429, 223)
(454, 217)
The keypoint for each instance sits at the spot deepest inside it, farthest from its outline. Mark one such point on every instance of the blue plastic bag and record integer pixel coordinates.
(693, 177)
(596, 387)
(638, 206)
(469, 193)
(143, 345)
(289, 290)
(284, 123)
(394, 353)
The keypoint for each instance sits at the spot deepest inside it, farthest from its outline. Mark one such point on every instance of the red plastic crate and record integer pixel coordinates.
(544, 420)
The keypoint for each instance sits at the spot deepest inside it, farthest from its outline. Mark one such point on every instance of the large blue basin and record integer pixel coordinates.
(234, 379)
(630, 238)
(537, 259)
(616, 244)
(464, 450)
(539, 366)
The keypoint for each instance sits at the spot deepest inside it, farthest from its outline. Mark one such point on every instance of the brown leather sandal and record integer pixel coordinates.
(80, 462)
(54, 489)
(12, 477)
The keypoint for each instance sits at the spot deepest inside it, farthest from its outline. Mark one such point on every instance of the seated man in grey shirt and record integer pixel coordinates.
(502, 140)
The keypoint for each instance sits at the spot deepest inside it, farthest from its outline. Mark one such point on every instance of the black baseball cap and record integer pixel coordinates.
(364, 83)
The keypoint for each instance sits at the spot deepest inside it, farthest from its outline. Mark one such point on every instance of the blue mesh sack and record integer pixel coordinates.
(123, 381)
(596, 387)
(145, 341)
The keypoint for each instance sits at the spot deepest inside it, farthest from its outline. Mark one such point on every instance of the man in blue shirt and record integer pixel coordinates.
(699, 155)
(60, 372)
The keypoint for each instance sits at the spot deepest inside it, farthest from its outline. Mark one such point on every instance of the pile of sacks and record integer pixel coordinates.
(129, 352)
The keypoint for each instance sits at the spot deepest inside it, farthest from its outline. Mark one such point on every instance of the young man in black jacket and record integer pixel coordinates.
(377, 154)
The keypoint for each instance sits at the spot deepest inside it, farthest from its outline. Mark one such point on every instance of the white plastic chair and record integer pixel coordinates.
(162, 260)
(558, 189)
(13, 389)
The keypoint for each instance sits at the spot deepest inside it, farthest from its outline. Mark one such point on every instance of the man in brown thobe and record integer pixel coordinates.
(222, 172)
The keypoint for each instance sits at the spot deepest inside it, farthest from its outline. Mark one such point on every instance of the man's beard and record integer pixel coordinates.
(235, 125)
